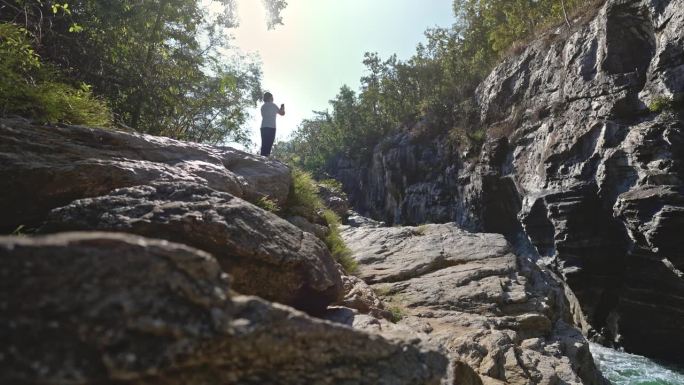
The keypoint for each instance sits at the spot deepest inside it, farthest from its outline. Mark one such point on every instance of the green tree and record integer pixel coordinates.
(161, 64)
(436, 85)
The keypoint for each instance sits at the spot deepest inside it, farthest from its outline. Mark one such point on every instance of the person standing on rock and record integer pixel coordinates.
(269, 111)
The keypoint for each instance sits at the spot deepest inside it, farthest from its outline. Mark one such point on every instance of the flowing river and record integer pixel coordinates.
(629, 369)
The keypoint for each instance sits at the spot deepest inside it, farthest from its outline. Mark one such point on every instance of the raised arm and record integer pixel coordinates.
(281, 111)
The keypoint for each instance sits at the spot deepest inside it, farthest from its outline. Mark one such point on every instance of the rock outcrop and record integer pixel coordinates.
(576, 163)
(489, 309)
(46, 167)
(86, 308)
(265, 255)
(116, 308)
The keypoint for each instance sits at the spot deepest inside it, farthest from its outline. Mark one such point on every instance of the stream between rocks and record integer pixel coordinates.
(630, 369)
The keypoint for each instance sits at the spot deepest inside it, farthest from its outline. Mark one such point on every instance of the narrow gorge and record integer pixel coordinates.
(135, 259)
(582, 168)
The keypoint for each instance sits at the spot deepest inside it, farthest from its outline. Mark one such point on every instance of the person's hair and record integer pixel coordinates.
(268, 97)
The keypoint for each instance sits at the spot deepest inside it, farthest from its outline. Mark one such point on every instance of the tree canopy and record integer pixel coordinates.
(436, 84)
(163, 66)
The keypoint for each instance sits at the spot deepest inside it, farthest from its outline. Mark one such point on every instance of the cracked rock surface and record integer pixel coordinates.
(46, 167)
(497, 314)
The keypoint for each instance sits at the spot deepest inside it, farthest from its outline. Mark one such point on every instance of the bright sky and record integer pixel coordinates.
(320, 47)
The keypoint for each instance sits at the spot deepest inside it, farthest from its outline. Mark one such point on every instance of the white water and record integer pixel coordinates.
(629, 369)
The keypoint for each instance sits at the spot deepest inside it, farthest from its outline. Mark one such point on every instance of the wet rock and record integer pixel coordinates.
(46, 167)
(84, 308)
(266, 255)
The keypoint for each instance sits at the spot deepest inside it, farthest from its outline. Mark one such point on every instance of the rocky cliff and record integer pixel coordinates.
(583, 161)
(141, 260)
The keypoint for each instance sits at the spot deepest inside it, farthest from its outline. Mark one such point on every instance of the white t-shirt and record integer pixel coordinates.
(269, 111)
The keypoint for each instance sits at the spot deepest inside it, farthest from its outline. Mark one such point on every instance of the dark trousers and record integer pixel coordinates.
(267, 138)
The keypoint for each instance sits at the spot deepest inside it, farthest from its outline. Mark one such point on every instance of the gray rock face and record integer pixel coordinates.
(407, 181)
(488, 309)
(47, 167)
(84, 308)
(575, 162)
(266, 255)
(600, 176)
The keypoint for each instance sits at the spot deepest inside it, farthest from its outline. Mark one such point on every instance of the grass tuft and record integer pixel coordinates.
(661, 103)
(304, 201)
(268, 204)
(398, 313)
(335, 243)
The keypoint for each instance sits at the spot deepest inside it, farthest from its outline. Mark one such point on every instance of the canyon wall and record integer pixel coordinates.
(583, 161)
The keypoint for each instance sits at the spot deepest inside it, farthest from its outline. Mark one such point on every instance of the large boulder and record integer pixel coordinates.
(492, 311)
(86, 308)
(44, 167)
(266, 255)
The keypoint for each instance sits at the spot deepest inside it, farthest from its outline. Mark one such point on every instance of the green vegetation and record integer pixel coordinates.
(19, 230)
(435, 86)
(333, 185)
(398, 313)
(382, 291)
(420, 230)
(662, 103)
(31, 88)
(335, 243)
(161, 66)
(303, 200)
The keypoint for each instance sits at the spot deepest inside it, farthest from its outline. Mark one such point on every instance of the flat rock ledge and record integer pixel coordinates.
(499, 317)
(104, 308)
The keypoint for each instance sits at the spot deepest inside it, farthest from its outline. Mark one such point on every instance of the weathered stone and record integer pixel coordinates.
(266, 255)
(85, 308)
(334, 199)
(575, 162)
(46, 167)
(360, 296)
(491, 311)
(319, 231)
(423, 249)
